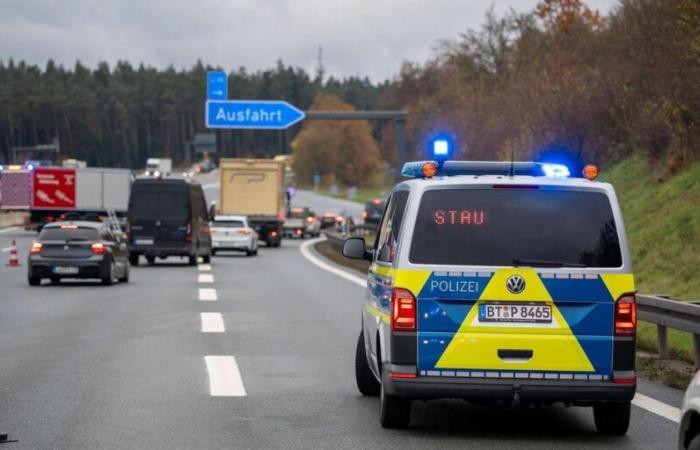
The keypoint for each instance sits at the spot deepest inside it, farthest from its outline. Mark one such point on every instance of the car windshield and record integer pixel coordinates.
(68, 234)
(229, 223)
(515, 227)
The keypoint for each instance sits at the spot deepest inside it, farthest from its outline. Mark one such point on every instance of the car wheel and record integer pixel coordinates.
(255, 252)
(151, 259)
(612, 418)
(395, 412)
(107, 281)
(55, 280)
(213, 252)
(125, 278)
(366, 381)
(134, 259)
(694, 443)
(207, 258)
(193, 260)
(34, 281)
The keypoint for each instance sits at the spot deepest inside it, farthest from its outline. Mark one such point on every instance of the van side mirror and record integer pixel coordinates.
(356, 248)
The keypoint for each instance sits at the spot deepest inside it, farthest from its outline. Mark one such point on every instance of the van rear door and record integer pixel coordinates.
(523, 288)
(159, 214)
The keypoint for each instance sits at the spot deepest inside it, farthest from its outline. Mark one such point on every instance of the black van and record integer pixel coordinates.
(168, 217)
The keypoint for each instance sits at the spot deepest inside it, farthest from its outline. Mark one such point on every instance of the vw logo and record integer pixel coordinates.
(515, 284)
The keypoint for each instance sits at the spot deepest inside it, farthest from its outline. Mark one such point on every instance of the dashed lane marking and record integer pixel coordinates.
(205, 278)
(304, 248)
(212, 323)
(640, 400)
(204, 267)
(207, 295)
(224, 377)
(659, 408)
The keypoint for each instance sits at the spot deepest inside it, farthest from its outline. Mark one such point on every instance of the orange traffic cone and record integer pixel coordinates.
(14, 260)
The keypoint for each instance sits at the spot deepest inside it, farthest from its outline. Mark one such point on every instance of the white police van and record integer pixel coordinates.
(499, 283)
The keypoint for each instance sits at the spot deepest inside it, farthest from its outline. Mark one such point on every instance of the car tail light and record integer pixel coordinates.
(310, 219)
(212, 229)
(364, 215)
(189, 231)
(403, 310)
(36, 248)
(400, 375)
(282, 216)
(244, 231)
(98, 248)
(626, 315)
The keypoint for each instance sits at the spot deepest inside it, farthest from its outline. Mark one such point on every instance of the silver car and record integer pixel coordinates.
(689, 432)
(233, 233)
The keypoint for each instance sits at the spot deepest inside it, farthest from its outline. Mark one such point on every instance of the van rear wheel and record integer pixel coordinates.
(366, 381)
(134, 259)
(193, 260)
(612, 419)
(395, 411)
(150, 259)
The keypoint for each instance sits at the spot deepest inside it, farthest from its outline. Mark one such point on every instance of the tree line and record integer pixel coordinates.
(119, 116)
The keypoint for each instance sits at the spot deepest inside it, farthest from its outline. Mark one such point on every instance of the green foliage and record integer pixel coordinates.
(122, 115)
(662, 219)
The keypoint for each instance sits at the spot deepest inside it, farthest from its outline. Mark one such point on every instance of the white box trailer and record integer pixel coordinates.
(98, 189)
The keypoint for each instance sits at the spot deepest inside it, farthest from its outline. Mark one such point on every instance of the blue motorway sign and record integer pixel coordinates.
(217, 86)
(251, 114)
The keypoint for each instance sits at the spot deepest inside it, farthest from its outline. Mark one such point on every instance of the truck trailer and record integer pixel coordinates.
(255, 188)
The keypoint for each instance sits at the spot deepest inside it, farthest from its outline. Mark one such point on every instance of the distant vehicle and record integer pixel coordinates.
(51, 193)
(255, 188)
(302, 222)
(72, 163)
(205, 166)
(374, 209)
(499, 282)
(330, 220)
(168, 217)
(78, 250)
(159, 167)
(233, 233)
(689, 430)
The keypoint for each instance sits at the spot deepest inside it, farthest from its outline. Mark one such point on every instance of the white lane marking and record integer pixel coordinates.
(7, 230)
(642, 401)
(207, 295)
(325, 266)
(205, 278)
(204, 267)
(224, 377)
(212, 323)
(659, 408)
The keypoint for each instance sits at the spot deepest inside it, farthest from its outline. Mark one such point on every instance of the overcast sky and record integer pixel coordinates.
(359, 37)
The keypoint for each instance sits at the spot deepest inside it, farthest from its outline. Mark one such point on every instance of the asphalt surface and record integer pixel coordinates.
(87, 366)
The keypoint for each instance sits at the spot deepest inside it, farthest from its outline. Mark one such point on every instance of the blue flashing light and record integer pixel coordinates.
(413, 169)
(2, 167)
(441, 147)
(555, 170)
(30, 166)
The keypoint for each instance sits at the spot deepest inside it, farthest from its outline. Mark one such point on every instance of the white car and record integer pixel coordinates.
(233, 233)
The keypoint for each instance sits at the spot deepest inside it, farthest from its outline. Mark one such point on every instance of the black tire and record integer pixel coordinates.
(134, 259)
(150, 259)
(213, 252)
(125, 278)
(249, 252)
(107, 281)
(694, 443)
(612, 419)
(34, 281)
(55, 280)
(207, 258)
(366, 381)
(395, 412)
(255, 252)
(192, 260)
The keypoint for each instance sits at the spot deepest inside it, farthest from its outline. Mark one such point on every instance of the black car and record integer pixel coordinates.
(78, 250)
(374, 209)
(168, 217)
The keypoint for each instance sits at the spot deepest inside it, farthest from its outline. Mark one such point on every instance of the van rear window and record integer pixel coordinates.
(515, 227)
(160, 203)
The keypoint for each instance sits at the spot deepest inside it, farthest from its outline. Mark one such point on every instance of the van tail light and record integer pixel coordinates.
(36, 248)
(189, 231)
(403, 310)
(212, 229)
(98, 248)
(626, 315)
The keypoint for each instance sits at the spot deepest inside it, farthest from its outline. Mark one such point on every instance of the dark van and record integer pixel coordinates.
(168, 217)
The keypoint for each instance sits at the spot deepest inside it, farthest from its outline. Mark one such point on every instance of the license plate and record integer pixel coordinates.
(515, 312)
(62, 270)
(143, 241)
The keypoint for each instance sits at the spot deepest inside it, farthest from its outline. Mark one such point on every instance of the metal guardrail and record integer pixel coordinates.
(665, 313)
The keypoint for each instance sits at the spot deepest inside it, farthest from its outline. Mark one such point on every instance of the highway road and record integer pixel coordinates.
(243, 353)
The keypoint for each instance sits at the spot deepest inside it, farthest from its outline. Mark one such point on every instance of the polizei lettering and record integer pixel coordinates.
(469, 287)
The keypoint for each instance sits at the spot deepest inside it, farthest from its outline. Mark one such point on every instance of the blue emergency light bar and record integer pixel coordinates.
(477, 168)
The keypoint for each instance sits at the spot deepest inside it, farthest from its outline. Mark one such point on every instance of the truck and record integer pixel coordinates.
(255, 188)
(159, 167)
(57, 193)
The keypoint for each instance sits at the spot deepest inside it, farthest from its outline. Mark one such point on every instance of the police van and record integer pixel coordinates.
(502, 283)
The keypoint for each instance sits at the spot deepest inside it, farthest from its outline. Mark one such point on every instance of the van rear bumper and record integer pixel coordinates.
(156, 250)
(483, 389)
